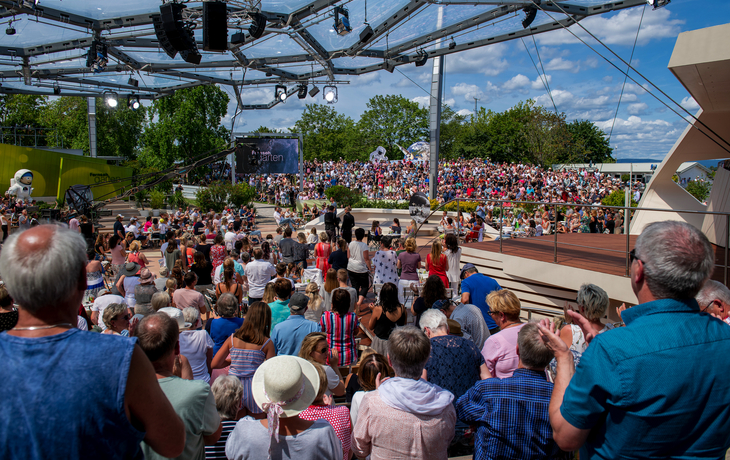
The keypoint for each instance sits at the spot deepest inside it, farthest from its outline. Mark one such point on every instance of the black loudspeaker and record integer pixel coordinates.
(215, 26)
(366, 34)
(258, 26)
(174, 27)
(162, 37)
(192, 56)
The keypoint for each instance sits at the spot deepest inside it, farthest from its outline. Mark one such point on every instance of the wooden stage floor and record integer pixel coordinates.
(597, 252)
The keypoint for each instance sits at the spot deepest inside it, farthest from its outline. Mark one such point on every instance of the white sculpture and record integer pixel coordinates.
(20, 185)
(378, 155)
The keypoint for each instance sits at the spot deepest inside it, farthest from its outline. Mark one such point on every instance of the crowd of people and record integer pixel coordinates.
(289, 374)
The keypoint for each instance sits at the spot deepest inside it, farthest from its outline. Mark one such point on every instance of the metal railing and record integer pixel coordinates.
(628, 211)
(28, 136)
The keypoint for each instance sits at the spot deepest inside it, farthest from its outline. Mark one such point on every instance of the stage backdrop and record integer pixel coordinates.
(267, 156)
(54, 172)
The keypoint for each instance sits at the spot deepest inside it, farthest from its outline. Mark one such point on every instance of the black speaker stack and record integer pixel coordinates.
(215, 26)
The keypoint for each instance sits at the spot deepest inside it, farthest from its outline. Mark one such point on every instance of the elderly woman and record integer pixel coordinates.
(144, 291)
(226, 323)
(116, 318)
(499, 350)
(196, 345)
(592, 304)
(159, 300)
(228, 393)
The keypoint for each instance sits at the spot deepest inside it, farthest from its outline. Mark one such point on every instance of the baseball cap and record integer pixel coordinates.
(119, 216)
(298, 302)
(442, 304)
(465, 268)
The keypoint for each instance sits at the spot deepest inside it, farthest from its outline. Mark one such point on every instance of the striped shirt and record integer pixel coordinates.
(340, 332)
(218, 450)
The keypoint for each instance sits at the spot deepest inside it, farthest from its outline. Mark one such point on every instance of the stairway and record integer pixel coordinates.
(106, 223)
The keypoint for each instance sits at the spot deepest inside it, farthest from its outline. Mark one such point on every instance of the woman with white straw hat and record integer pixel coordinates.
(284, 386)
(128, 280)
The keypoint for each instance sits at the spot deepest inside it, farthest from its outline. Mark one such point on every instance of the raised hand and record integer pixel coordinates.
(551, 338)
(378, 381)
(620, 310)
(588, 331)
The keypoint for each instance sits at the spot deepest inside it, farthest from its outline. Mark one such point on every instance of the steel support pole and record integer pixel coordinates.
(501, 224)
(555, 231)
(91, 103)
(434, 119)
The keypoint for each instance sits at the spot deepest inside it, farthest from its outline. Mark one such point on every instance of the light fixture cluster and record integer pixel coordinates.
(111, 99)
(280, 93)
(329, 96)
(97, 58)
(342, 20)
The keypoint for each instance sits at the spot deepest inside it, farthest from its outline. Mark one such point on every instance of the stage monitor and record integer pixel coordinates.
(267, 155)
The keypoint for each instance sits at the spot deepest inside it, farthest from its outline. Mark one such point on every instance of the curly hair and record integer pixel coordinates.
(433, 290)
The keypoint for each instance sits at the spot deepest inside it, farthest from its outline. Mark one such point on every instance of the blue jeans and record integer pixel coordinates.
(287, 221)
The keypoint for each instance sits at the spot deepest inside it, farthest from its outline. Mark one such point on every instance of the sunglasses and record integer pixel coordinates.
(708, 306)
(633, 257)
(125, 317)
(323, 350)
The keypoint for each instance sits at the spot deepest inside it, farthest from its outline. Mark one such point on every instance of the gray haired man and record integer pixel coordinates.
(714, 299)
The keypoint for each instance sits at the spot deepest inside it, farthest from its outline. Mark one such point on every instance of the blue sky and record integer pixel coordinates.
(583, 84)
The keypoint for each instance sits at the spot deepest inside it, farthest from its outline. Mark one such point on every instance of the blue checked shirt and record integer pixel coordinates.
(511, 416)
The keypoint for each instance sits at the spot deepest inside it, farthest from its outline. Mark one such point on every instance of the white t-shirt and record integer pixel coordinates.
(194, 345)
(332, 379)
(259, 273)
(356, 263)
(101, 302)
(355, 405)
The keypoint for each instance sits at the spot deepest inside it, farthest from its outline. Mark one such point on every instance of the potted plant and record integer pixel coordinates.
(139, 198)
(157, 201)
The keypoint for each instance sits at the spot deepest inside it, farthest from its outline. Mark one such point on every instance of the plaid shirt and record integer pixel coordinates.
(511, 416)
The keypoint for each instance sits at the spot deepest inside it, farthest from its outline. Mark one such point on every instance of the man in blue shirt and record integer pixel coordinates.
(475, 287)
(498, 406)
(657, 388)
(288, 335)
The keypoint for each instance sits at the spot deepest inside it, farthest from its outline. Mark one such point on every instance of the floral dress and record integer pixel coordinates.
(323, 251)
(217, 256)
(584, 223)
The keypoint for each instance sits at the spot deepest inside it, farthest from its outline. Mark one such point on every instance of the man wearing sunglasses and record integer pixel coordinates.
(657, 388)
(714, 299)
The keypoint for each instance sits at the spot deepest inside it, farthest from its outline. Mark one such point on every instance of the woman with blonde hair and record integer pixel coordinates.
(499, 351)
(136, 256)
(438, 263)
(315, 306)
(116, 318)
(269, 293)
(330, 284)
(316, 350)
(322, 251)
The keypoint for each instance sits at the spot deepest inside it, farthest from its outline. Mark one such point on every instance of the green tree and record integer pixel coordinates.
(328, 135)
(594, 144)
(185, 124)
(617, 198)
(391, 120)
(699, 189)
(452, 127)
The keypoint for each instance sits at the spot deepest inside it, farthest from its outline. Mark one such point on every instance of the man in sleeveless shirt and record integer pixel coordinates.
(66, 402)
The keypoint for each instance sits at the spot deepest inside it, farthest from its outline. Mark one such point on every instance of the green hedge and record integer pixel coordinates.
(380, 204)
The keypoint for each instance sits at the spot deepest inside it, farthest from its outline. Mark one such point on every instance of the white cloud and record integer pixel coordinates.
(559, 63)
(465, 112)
(468, 91)
(486, 60)
(365, 79)
(424, 101)
(538, 83)
(689, 103)
(607, 79)
(618, 29)
(257, 96)
(638, 108)
(567, 101)
(516, 83)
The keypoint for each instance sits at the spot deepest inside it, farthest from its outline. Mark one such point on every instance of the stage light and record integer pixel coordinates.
(656, 4)
(302, 92)
(314, 91)
(422, 58)
(133, 102)
(330, 94)
(56, 89)
(133, 82)
(342, 21)
(96, 59)
(239, 38)
(258, 25)
(366, 34)
(111, 99)
(280, 93)
(530, 14)
(389, 65)
(452, 45)
(10, 30)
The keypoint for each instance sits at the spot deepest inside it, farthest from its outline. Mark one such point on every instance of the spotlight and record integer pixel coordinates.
(452, 45)
(366, 34)
(133, 82)
(314, 91)
(258, 25)
(342, 21)
(96, 59)
(29, 3)
(133, 102)
(111, 99)
(530, 13)
(10, 30)
(56, 89)
(421, 58)
(280, 93)
(389, 65)
(302, 92)
(330, 94)
(656, 4)
(239, 38)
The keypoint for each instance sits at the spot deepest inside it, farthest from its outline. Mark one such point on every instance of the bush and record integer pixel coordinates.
(343, 196)
(214, 197)
(157, 199)
(241, 194)
(464, 206)
(699, 190)
(140, 197)
(616, 198)
(625, 178)
(380, 204)
(434, 204)
(177, 200)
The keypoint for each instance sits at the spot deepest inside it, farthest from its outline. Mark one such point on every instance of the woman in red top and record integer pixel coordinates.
(322, 251)
(136, 256)
(438, 263)
(217, 252)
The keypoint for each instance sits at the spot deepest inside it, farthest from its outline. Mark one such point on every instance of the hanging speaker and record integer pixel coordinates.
(258, 26)
(162, 37)
(172, 24)
(215, 26)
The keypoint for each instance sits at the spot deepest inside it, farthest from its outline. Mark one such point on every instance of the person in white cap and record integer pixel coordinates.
(284, 386)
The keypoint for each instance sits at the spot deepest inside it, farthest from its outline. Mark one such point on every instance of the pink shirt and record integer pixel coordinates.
(500, 352)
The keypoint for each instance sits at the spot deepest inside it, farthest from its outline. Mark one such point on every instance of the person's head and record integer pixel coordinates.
(593, 301)
(257, 326)
(408, 351)
(467, 270)
(312, 293)
(314, 347)
(302, 238)
(281, 268)
(396, 222)
(218, 239)
(116, 317)
(190, 279)
(531, 349)
(192, 316)
(287, 232)
(341, 302)
(330, 280)
(671, 260)
(58, 282)
(279, 230)
(5, 300)
(714, 298)
(389, 297)
(436, 252)
(227, 305)
(269, 293)
(299, 303)
(282, 287)
(157, 335)
(411, 245)
(229, 271)
(171, 284)
(504, 306)
(258, 253)
(228, 392)
(433, 323)
(323, 237)
(342, 245)
(451, 242)
(385, 243)
(433, 290)
(199, 259)
(371, 365)
(359, 234)
(160, 299)
(134, 247)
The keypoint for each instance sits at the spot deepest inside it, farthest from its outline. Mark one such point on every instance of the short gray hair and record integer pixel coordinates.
(677, 259)
(191, 315)
(433, 319)
(594, 300)
(228, 392)
(159, 300)
(112, 311)
(712, 290)
(227, 305)
(534, 354)
(408, 350)
(42, 278)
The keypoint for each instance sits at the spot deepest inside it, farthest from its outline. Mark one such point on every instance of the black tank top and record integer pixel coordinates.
(384, 326)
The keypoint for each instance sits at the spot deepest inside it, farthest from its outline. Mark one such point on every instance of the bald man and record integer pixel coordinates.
(68, 402)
